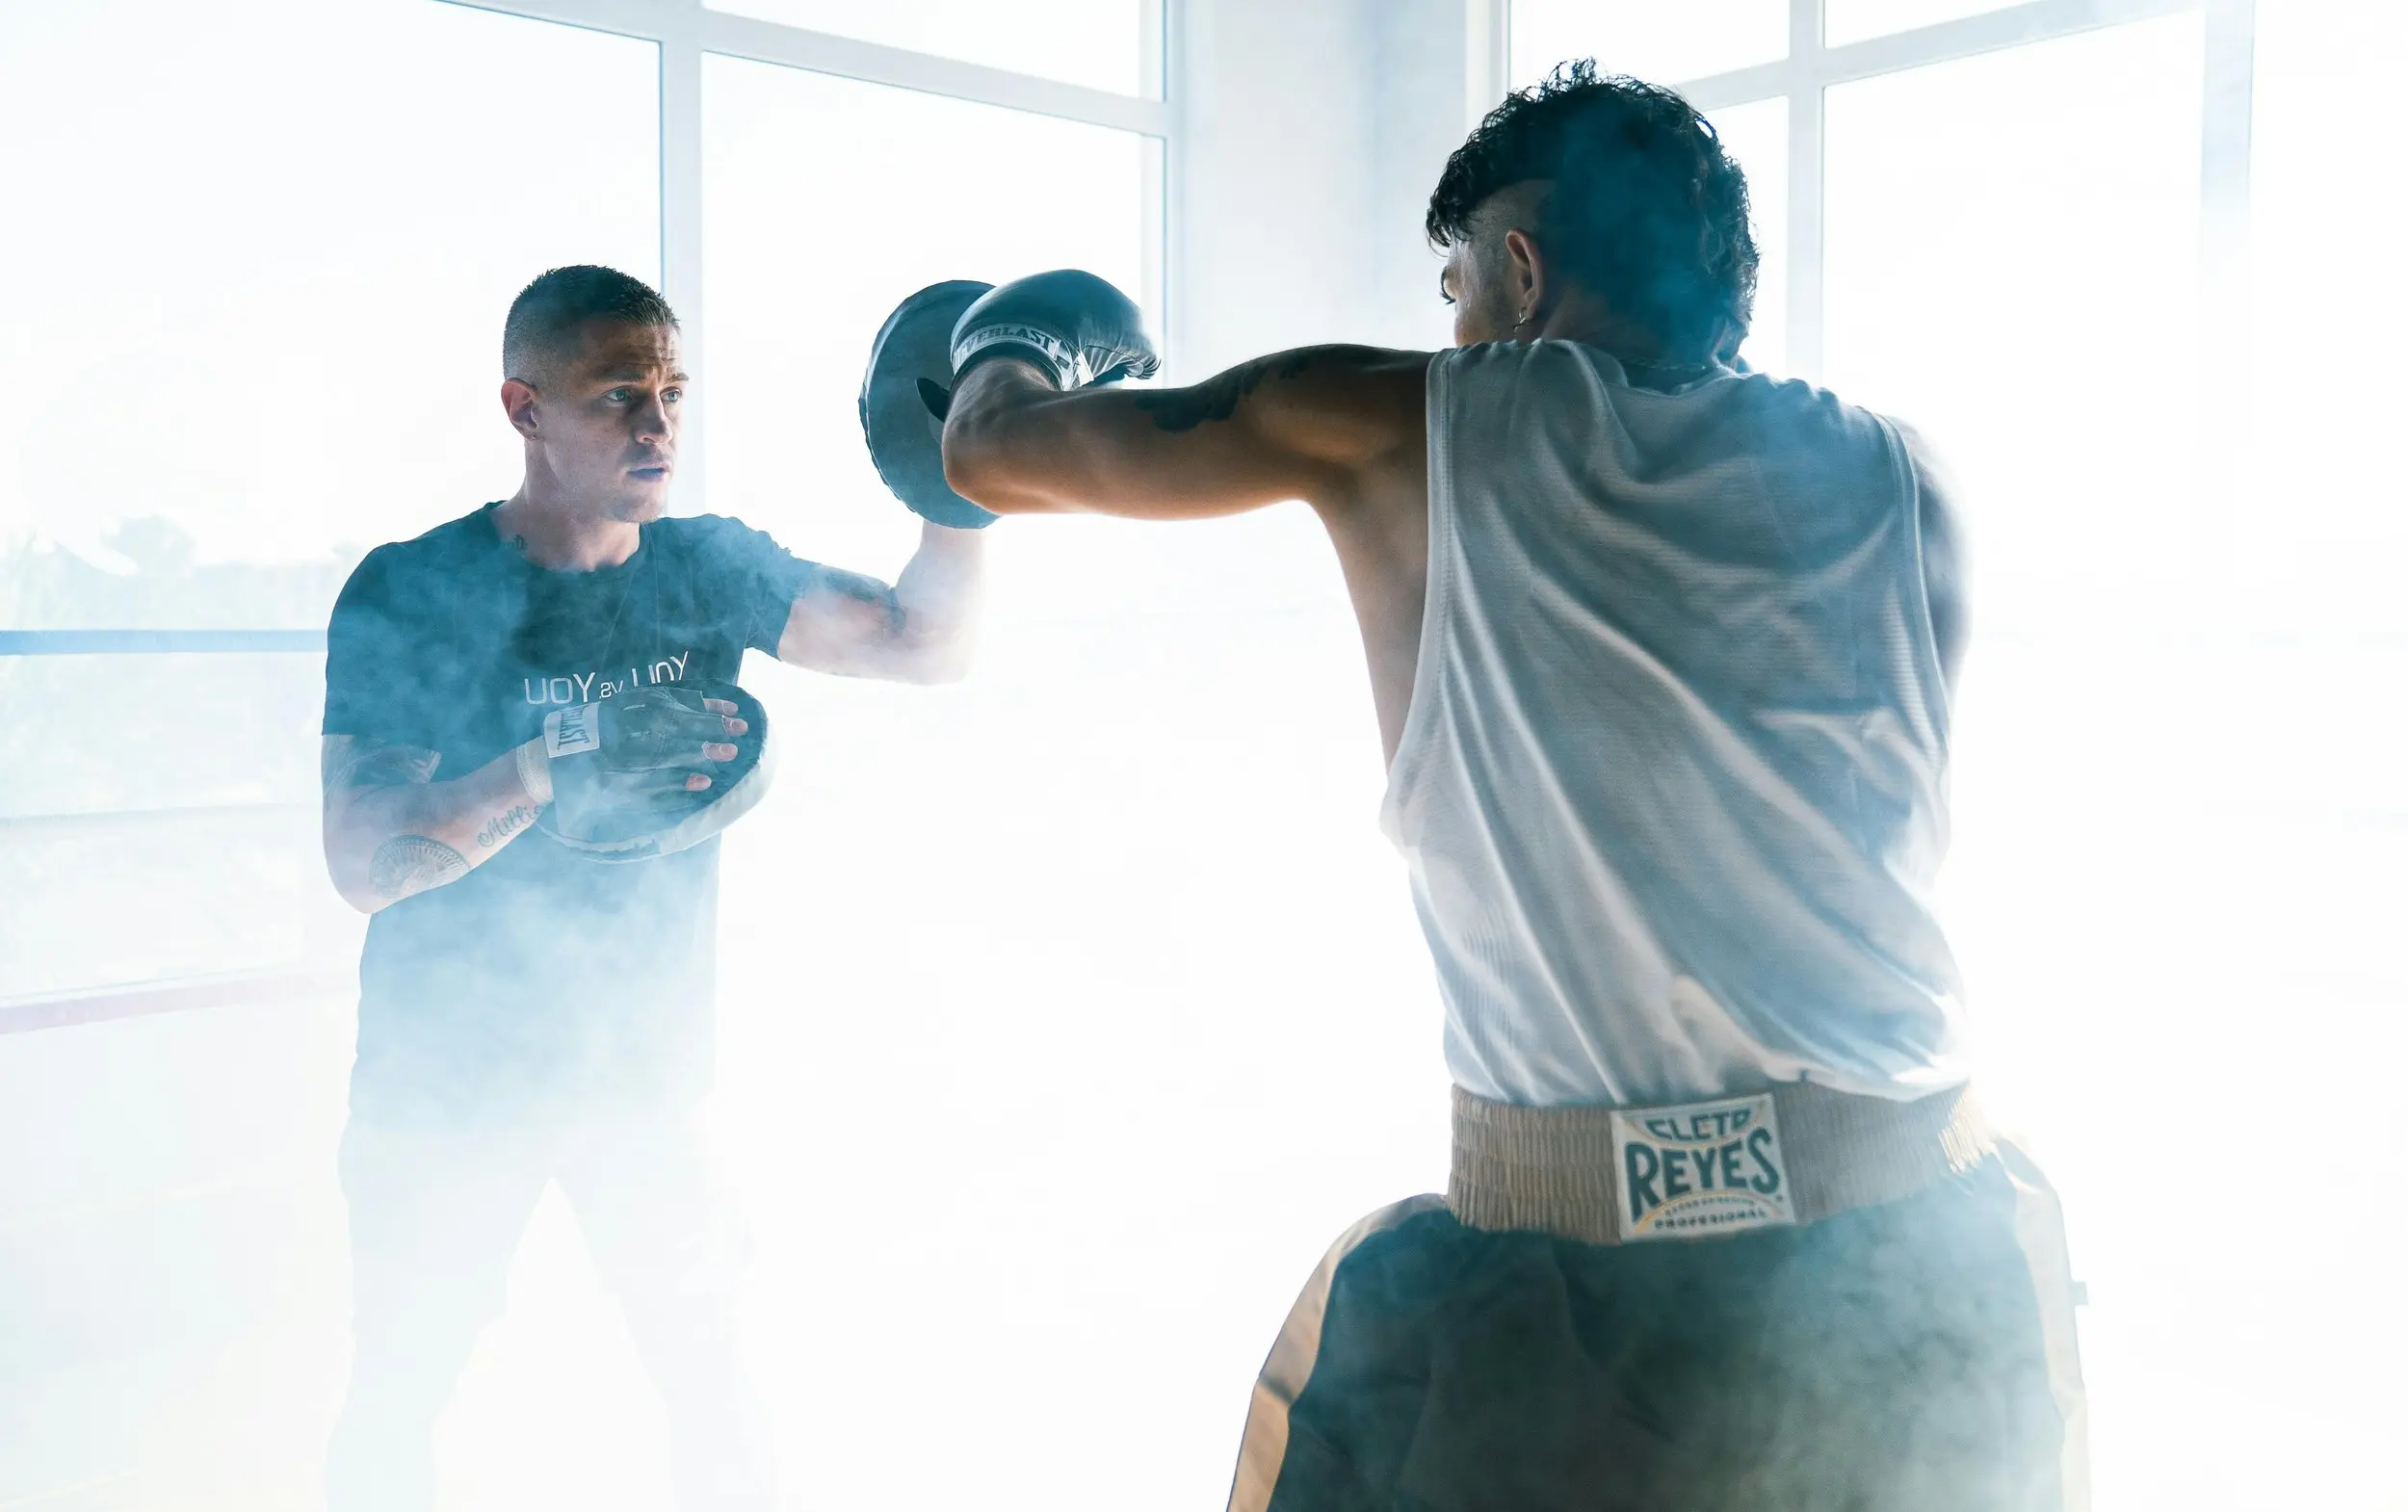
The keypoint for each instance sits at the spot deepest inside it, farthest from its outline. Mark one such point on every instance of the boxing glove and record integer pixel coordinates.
(1072, 324)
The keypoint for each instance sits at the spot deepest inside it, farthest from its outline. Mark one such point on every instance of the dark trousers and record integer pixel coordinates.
(435, 1219)
(1914, 1357)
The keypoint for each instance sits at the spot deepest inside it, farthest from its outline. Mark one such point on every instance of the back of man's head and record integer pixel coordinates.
(1642, 204)
(547, 319)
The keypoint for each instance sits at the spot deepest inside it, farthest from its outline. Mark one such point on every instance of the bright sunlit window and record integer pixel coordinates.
(249, 352)
(1662, 42)
(1103, 44)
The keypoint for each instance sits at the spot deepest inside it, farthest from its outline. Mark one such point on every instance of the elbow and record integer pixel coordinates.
(970, 464)
(978, 451)
(355, 891)
(348, 873)
(936, 663)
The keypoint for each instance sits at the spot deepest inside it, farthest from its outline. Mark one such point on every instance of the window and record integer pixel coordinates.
(193, 452)
(1757, 137)
(248, 210)
(1103, 44)
(200, 422)
(1977, 281)
(262, 334)
(827, 201)
(1854, 20)
(1651, 40)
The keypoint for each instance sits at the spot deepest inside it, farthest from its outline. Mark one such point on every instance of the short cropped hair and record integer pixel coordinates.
(1646, 207)
(545, 318)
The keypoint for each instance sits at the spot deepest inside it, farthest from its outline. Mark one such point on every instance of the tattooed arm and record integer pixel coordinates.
(1327, 425)
(391, 830)
(920, 630)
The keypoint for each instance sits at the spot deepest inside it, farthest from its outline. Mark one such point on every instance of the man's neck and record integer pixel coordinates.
(562, 537)
(1581, 319)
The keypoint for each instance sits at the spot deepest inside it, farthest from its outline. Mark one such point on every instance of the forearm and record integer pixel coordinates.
(388, 840)
(1015, 445)
(1308, 424)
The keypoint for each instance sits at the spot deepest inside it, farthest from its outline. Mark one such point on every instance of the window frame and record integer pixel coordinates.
(685, 31)
(1812, 68)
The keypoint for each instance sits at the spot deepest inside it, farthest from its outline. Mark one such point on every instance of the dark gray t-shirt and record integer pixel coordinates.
(542, 983)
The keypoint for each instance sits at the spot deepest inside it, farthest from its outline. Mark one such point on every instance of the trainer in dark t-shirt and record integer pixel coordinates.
(541, 980)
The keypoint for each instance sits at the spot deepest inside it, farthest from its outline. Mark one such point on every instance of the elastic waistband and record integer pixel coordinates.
(1553, 1170)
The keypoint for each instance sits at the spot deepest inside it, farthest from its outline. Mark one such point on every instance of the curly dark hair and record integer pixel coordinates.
(1645, 206)
(545, 317)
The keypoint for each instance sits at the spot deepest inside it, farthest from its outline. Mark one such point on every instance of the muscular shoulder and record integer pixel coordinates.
(717, 541)
(393, 575)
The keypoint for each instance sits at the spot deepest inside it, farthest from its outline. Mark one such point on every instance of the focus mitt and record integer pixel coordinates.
(903, 396)
(618, 769)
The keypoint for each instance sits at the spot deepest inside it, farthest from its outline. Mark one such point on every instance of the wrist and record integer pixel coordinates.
(535, 771)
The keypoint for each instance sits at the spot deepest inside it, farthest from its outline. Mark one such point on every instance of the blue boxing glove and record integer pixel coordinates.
(1072, 324)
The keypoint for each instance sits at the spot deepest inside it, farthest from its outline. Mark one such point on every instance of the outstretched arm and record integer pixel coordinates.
(920, 630)
(1313, 423)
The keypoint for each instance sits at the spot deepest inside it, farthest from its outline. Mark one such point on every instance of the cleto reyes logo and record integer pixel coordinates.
(1700, 1169)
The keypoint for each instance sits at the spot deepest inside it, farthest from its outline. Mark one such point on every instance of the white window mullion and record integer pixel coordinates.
(681, 221)
(2227, 115)
(1804, 337)
(847, 57)
(1487, 37)
(1945, 41)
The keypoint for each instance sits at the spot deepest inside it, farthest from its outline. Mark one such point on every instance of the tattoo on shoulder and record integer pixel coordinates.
(1217, 397)
(350, 762)
(863, 588)
(409, 864)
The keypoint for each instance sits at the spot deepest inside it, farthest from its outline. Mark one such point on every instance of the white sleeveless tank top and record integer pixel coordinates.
(1672, 789)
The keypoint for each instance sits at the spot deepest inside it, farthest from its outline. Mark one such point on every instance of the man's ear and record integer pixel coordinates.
(1526, 280)
(518, 401)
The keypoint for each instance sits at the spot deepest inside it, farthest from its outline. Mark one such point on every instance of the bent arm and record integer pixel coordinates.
(1308, 424)
(391, 830)
(922, 629)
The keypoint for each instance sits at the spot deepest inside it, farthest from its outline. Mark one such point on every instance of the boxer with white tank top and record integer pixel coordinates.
(1661, 652)
(1673, 783)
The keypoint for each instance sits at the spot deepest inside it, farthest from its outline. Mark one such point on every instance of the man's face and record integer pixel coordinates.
(1485, 279)
(606, 419)
(1479, 312)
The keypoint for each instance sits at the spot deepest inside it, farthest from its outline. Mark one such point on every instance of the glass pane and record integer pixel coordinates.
(177, 836)
(263, 323)
(1758, 136)
(1662, 43)
(784, 443)
(2328, 137)
(1104, 44)
(1987, 284)
(1854, 20)
(2316, 811)
(2013, 263)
